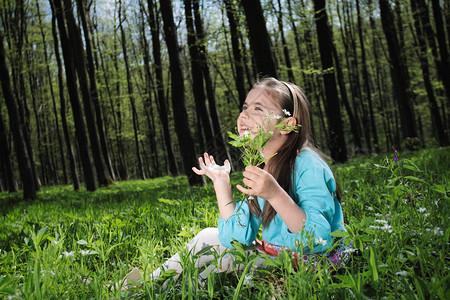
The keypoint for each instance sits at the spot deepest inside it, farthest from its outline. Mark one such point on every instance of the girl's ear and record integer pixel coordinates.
(289, 125)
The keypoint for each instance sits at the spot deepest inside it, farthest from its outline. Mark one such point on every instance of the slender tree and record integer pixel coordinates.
(219, 141)
(237, 57)
(65, 126)
(178, 99)
(399, 73)
(26, 172)
(6, 159)
(71, 81)
(438, 128)
(163, 110)
(260, 43)
(336, 138)
(94, 93)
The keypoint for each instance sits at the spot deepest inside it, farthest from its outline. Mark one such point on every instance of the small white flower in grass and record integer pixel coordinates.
(87, 252)
(426, 214)
(247, 279)
(401, 273)
(320, 241)
(422, 209)
(378, 215)
(68, 254)
(286, 112)
(381, 221)
(438, 231)
(369, 208)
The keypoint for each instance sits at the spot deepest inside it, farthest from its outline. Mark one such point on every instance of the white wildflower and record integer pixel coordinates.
(369, 208)
(438, 231)
(68, 254)
(247, 279)
(286, 112)
(422, 209)
(87, 252)
(320, 241)
(378, 215)
(401, 273)
(381, 221)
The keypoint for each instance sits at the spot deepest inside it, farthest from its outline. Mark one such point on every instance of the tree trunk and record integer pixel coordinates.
(6, 159)
(161, 98)
(179, 109)
(399, 73)
(140, 167)
(438, 128)
(26, 172)
(332, 108)
(237, 57)
(74, 38)
(52, 93)
(94, 95)
(197, 83)
(259, 39)
(365, 74)
(71, 156)
(80, 130)
(287, 58)
(221, 148)
(443, 50)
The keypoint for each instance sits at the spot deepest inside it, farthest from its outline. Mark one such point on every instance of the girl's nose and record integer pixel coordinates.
(243, 114)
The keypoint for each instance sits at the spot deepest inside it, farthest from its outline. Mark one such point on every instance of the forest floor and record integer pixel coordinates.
(397, 215)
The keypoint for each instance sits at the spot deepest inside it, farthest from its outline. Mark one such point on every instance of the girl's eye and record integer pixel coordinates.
(258, 108)
(244, 107)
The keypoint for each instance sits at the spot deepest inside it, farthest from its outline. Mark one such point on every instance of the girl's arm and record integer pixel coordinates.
(262, 184)
(220, 176)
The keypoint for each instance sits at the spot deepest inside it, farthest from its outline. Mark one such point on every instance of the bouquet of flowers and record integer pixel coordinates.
(251, 144)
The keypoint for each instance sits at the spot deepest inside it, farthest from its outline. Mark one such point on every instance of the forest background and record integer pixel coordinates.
(101, 91)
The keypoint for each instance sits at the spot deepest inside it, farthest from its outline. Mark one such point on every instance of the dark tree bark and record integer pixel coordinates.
(52, 93)
(221, 148)
(443, 49)
(179, 109)
(148, 106)
(438, 131)
(71, 81)
(26, 172)
(109, 172)
(332, 108)
(260, 43)
(71, 155)
(287, 57)
(197, 82)
(399, 73)
(6, 159)
(140, 167)
(237, 57)
(365, 74)
(74, 37)
(161, 98)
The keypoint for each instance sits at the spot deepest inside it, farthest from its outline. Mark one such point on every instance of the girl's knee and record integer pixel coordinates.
(209, 233)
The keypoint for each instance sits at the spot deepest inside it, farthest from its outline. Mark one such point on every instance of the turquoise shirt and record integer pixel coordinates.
(314, 190)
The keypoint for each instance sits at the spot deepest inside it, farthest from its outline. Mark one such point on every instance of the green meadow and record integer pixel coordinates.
(397, 216)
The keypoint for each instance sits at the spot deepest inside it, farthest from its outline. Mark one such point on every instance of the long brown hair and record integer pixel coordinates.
(292, 100)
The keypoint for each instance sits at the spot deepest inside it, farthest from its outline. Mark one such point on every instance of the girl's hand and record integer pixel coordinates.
(260, 183)
(209, 168)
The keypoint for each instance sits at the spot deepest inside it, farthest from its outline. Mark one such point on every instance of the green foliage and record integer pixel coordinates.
(396, 212)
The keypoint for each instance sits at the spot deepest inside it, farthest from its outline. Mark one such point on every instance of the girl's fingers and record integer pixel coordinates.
(243, 189)
(197, 171)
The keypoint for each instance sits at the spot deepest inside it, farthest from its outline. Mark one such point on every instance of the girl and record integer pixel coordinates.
(295, 195)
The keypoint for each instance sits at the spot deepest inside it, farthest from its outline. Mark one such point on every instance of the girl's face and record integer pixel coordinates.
(257, 107)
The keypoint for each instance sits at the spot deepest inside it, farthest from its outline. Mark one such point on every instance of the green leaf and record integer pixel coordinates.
(339, 233)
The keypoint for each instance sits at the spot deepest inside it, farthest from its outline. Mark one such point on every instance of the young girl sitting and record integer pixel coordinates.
(294, 194)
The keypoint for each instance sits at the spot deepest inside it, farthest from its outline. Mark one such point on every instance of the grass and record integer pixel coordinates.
(397, 217)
